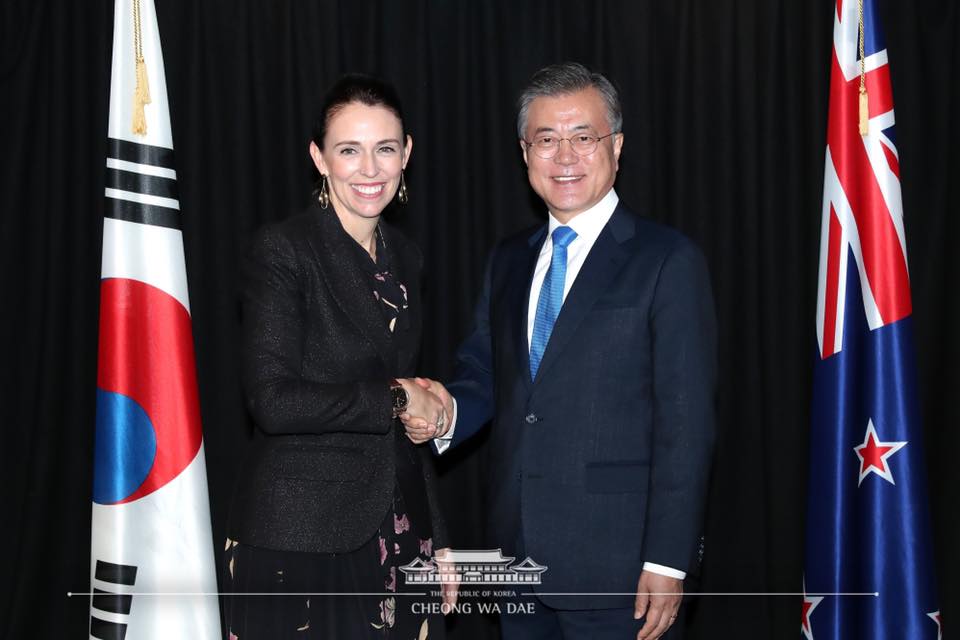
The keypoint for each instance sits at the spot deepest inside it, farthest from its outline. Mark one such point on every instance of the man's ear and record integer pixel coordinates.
(617, 148)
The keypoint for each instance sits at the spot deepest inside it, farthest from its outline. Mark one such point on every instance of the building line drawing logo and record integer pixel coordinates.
(473, 567)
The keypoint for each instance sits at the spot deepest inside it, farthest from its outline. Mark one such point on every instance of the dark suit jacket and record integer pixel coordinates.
(317, 361)
(601, 463)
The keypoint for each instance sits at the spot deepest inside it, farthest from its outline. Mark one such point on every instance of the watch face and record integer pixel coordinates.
(399, 398)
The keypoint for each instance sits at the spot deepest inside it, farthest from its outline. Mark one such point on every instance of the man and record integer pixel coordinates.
(594, 355)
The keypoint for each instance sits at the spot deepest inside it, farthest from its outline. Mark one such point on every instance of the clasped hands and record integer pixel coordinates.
(429, 411)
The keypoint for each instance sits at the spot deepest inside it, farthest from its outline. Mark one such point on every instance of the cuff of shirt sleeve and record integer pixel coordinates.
(664, 571)
(442, 444)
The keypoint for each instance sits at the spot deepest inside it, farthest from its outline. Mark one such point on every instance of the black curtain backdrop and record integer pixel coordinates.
(725, 116)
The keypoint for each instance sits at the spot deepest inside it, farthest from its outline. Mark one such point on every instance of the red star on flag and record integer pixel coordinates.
(873, 455)
(935, 616)
(809, 604)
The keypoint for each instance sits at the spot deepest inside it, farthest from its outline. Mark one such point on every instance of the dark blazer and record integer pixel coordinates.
(317, 362)
(599, 464)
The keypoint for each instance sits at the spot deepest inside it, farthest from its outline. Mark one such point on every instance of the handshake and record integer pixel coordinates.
(429, 411)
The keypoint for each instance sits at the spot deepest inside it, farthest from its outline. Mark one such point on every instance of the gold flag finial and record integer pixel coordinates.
(141, 94)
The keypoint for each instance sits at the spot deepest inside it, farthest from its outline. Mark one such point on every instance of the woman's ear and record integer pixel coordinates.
(407, 149)
(317, 156)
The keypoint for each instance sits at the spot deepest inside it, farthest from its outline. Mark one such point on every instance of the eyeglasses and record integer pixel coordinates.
(583, 144)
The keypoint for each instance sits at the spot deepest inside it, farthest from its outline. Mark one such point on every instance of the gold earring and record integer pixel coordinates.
(323, 197)
(402, 195)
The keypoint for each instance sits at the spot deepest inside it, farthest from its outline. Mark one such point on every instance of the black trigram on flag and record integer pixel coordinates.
(141, 184)
(109, 608)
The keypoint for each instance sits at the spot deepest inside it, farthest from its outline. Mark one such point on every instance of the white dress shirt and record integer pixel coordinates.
(588, 226)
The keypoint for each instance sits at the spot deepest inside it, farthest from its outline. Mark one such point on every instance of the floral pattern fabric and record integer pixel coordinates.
(319, 596)
(387, 290)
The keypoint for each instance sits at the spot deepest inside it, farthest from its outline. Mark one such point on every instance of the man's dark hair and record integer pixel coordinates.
(563, 79)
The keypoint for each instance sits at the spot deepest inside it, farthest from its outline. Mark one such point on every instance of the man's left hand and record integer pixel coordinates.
(658, 597)
(449, 589)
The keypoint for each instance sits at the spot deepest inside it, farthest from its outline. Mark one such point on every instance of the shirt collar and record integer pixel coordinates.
(589, 223)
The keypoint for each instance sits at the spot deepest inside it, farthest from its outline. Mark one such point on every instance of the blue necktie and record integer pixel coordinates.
(551, 297)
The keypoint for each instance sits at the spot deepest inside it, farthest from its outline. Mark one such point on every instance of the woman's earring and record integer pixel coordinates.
(323, 197)
(402, 195)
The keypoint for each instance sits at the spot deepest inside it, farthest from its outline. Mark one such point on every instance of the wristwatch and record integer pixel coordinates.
(398, 397)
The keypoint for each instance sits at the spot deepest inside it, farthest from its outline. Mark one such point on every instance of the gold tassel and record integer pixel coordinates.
(139, 119)
(141, 98)
(864, 113)
(864, 103)
(143, 87)
(141, 93)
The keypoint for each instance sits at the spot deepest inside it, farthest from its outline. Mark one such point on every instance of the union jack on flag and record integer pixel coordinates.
(869, 568)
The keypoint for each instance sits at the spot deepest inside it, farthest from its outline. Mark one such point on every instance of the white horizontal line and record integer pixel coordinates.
(145, 169)
(71, 594)
(874, 594)
(142, 198)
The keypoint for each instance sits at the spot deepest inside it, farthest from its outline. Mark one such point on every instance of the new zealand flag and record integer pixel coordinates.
(869, 569)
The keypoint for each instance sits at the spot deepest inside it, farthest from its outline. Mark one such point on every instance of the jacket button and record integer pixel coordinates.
(531, 418)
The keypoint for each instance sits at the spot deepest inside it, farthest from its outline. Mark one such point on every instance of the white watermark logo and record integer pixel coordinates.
(472, 567)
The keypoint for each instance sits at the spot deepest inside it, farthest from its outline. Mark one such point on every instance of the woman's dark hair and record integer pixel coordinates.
(356, 87)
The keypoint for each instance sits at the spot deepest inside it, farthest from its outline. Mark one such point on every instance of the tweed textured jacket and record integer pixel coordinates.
(317, 361)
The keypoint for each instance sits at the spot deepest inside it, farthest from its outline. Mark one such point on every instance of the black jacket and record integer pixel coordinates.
(317, 361)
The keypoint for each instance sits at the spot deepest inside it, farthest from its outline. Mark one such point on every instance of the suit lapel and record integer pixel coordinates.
(604, 261)
(352, 293)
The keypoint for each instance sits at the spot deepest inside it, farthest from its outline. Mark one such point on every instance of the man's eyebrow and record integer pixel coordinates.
(579, 127)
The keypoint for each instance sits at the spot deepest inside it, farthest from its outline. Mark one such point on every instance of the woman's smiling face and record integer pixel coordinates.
(363, 156)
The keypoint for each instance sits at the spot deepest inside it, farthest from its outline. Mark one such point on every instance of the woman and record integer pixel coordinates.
(334, 499)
